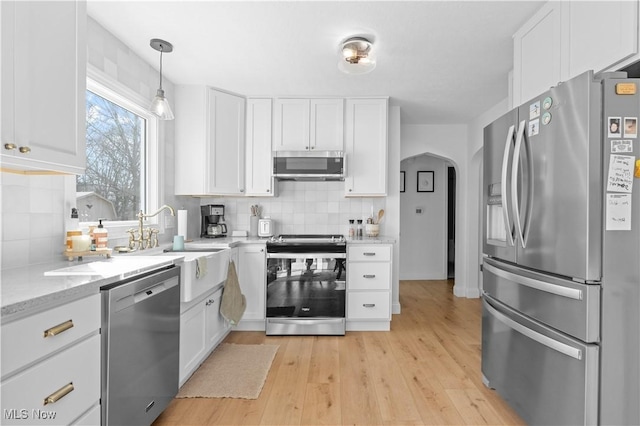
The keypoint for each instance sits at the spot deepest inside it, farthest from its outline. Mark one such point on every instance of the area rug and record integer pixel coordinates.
(231, 371)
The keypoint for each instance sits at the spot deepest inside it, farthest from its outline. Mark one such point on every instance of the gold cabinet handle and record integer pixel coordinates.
(58, 329)
(10, 146)
(59, 394)
(24, 149)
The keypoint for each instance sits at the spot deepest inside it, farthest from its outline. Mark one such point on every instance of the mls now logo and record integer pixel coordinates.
(24, 414)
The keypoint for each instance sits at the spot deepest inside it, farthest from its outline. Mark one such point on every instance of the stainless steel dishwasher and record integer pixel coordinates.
(140, 346)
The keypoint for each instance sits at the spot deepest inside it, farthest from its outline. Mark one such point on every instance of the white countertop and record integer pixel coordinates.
(27, 290)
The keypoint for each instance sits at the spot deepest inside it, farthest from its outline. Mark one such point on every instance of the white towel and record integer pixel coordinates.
(201, 267)
(233, 301)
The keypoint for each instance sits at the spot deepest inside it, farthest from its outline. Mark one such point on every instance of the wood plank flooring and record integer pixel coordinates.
(425, 371)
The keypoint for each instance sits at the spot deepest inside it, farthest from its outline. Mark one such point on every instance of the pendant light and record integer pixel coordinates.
(160, 105)
(357, 56)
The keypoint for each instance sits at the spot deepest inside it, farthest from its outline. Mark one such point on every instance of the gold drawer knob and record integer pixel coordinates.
(24, 149)
(59, 394)
(10, 146)
(58, 329)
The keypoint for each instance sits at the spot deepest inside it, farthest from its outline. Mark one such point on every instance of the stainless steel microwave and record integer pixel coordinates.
(303, 165)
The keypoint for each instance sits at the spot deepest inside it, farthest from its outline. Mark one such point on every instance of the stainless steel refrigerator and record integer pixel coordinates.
(561, 254)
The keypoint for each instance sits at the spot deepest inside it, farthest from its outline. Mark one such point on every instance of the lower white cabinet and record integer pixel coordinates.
(51, 375)
(369, 287)
(202, 328)
(253, 282)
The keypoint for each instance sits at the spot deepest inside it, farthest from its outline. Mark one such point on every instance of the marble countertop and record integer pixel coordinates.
(28, 290)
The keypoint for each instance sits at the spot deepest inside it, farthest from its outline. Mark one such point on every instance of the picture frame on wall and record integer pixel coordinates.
(402, 180)
(425, 181)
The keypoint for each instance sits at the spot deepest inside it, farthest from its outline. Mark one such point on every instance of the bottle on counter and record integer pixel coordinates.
(359, 230)
(352, 229)
(92, 236)
(73, 228)
(101, 235)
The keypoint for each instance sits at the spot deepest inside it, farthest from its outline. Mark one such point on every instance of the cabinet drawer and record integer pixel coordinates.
(30, 332)
(368, 305)
(369, 276)
(23, 395)
(377, 253)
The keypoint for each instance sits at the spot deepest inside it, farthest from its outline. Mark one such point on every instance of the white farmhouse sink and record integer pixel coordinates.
(216, 267)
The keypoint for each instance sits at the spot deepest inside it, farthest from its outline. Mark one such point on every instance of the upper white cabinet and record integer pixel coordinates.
(43, 81)
(366, 147)
(599, 34)
(308, 124)
(536, 54)
(565, 39)
(258, 150)
(210, 142)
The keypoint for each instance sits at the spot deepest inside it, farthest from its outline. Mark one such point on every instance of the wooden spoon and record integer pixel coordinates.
(380, 214)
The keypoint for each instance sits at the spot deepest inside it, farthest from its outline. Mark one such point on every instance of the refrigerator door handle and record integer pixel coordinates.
(534, 335)
(514, 182)
(558, 290)
(504, 189)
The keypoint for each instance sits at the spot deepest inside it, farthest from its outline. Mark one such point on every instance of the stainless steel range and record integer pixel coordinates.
(306, 283)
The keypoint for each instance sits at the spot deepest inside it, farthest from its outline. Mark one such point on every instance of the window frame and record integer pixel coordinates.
(116, 92)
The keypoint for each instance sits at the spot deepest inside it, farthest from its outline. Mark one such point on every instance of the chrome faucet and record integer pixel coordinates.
(146, 242)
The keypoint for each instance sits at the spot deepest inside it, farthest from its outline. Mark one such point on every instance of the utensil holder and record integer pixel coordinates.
(253, 226)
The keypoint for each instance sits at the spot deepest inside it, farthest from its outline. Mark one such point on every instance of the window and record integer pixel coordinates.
(122, 167)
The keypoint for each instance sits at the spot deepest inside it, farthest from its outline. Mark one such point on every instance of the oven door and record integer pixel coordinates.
(306, 293)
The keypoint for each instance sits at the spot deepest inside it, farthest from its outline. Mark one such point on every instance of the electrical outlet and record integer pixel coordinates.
(419, 210)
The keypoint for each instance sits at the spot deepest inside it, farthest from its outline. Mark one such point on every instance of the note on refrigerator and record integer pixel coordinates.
(618, 212)
(620, 177)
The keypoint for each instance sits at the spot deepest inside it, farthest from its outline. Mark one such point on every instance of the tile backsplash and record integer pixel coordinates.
(33, 215)
(301, 208)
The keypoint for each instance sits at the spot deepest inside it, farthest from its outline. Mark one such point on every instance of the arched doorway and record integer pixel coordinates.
(427, 218)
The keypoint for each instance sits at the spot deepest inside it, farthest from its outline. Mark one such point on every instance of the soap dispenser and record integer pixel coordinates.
(101, 235)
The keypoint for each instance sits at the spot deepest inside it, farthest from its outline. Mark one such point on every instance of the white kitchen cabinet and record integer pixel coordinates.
(259, 161)
(58, 350)
(369, 286)
(598, 34)
(366, 147)
(565, 39)
(308, 124)
(252, 277)
(202, 328)
(210, 142)
(537, 53)
(43, 81)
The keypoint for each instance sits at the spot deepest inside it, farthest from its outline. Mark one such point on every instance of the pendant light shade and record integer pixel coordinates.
(357, 56)
(160, 105)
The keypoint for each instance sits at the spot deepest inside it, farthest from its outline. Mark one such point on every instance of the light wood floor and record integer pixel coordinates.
(425, 371)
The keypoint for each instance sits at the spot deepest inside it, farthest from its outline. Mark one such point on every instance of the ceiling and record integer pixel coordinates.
(441, 61)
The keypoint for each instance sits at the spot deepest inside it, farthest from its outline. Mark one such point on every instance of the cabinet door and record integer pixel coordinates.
(259, 119)
(216, 324)
(600, 34)
(291, 125)
(326, 125)
(366, 147)
(43, 85)
(227, 143)
(252, 277)
(537, 59)
(193, 340)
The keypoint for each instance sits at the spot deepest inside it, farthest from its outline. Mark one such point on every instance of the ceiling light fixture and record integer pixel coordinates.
(160, 105)
(357, 56)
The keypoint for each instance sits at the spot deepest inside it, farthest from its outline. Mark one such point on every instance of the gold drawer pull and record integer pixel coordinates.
(58, 328)
(59, 394)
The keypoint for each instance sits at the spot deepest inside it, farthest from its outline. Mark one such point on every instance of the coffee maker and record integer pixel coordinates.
(211, 227)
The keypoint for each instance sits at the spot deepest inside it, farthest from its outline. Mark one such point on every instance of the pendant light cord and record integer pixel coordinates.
(161, 67)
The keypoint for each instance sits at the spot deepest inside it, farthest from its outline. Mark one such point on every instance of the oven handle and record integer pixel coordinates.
(306, 255)
(313, 321)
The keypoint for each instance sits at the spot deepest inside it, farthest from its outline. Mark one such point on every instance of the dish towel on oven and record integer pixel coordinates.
(233, 301)
(201, 267)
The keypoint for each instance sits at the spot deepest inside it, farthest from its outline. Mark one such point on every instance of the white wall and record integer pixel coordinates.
(423, 247)
(448, 142)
